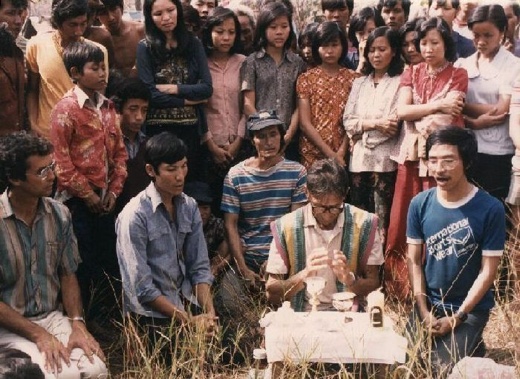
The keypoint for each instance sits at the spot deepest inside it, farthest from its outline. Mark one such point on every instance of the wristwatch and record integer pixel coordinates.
(462, 316)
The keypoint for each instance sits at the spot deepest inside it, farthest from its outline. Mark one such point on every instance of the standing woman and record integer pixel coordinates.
(408, 34)
(431, 95)
(226, 122)
(172, 63)
(371, 123)
(492, 71)
(269, 74)
(322, 95)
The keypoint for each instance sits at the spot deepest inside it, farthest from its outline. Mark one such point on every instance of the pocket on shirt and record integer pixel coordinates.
(52, 251)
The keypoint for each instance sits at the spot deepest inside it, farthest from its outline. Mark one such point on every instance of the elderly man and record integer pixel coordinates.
(41, 312)
(326, 238)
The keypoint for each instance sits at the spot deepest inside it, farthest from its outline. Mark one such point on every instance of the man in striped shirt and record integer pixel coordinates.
(38, 260)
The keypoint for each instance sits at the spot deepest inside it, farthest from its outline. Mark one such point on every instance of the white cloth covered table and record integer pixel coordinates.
(325, 337)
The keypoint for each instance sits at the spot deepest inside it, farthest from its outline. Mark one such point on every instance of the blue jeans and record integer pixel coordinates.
(464, 340)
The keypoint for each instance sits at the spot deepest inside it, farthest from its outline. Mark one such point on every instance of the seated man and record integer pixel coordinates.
(161, 248)
(38, 259)
(456, 236)
(327, 238)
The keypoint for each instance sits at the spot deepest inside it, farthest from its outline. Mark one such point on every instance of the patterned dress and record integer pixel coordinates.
(327, 96)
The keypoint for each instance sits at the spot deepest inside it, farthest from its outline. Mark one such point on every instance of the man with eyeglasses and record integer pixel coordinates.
(326, 238)
(456, 235)
(41, 312)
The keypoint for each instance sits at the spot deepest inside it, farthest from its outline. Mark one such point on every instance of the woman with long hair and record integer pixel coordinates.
(172, 63)
(431, 95)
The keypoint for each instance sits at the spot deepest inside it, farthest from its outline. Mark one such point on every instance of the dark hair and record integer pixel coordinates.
(217, 18)
(268, 14)
(359, 21)
(464, 139)
(63, 10)
(288, 4)
(18, 4)
(15, 149)
(111, 4)
(307, 34)
(454, 3)
(392, 36)
(326, 32)
(327, 176)
(155, 37)
(191, 16)
(337, 4)
(78, 54)
(491, 13)
(165, 147)
(409, 26)
(515, 6)
(437, 23)
(16, 364)
(130, 88)
(392, 3)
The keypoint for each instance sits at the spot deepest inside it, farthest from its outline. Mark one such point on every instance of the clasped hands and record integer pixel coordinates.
(439, 327)
(320, 259)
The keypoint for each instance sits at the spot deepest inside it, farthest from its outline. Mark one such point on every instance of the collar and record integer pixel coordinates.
(6, 210)
(140, 138)
(310, 222)
(84, 99)
(155, 197)
(287, 55)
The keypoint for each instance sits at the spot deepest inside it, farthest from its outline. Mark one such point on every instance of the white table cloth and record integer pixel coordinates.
(325, 337)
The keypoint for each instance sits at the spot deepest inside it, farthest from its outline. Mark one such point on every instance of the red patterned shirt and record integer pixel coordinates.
(89, 148)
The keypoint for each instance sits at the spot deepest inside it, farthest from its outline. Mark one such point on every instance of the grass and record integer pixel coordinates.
(196, 357)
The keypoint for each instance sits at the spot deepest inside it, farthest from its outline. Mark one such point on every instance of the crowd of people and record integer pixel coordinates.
(207, 160)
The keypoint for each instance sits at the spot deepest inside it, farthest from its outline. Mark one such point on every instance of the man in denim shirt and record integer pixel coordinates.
(161, 248)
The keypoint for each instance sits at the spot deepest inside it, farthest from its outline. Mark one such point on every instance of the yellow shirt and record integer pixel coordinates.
(44, 59)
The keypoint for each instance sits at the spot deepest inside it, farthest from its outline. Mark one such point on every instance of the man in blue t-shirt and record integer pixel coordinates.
(455, 235)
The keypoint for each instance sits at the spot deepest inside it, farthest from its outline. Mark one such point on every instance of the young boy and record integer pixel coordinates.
(90, 161)
(131, 98)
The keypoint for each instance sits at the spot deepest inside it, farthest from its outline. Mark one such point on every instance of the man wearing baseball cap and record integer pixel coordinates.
(257, 191)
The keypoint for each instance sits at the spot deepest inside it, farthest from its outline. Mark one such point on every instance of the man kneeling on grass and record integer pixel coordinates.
(456, 236)
(161, 249)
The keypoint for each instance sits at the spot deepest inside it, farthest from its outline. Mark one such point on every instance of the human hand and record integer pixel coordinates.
(489, 119)
(253, 279)
(444, 326)
(205, 323)
(81, 338)
(195, 102)
(109, 202)
(452, 104)
(388, 126)
(170, 89)
(53, 351)
(221, 156)
(317, 260)
(340, 158)
(340, 267)
(430, 322)
(94, 204)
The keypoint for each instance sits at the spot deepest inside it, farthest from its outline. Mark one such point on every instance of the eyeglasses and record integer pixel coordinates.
(332, 209)
(44, 172)
(446, 164)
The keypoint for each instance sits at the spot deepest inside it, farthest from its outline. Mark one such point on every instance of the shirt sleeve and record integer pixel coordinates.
(202, 88)
(118, 172)
(494, 231)
(145, 70)
(303, 90)
(62, 128)
(460, 80)
(70, 258)
(299, 195)
(248, 74)
(376, 257)
(30, 57)
(414, 233)
(406, 77)
(230, 196)
(351, 121)
(136, 274)
(275, 262)
(196, 252)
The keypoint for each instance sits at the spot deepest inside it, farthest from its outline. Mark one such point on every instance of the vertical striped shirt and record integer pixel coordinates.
(32, 258)
(262, 196)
